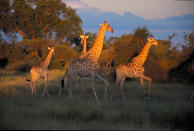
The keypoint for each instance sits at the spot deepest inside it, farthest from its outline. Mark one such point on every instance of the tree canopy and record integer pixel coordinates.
(39, 19)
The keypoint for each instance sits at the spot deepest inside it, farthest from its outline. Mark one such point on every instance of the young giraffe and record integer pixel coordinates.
(83, 41)
(41, 71)
(134, 69)
(88, 65)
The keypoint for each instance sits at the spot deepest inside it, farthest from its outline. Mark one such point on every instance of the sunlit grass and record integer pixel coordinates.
(168, 108)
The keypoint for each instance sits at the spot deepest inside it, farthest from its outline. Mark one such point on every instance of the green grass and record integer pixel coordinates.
(168, 108)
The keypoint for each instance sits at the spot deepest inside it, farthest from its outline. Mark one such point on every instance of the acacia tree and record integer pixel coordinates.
(39, 19)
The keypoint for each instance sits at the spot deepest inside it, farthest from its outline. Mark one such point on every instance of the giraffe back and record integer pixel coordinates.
(38, 71)
(82, 67)
(130, 70)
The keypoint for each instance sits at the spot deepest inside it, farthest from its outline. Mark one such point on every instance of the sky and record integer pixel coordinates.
(148, 9)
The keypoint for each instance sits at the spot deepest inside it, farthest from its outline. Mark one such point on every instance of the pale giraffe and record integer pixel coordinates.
(83, 41)
(88, 65)
(134, 69)
(41, 71)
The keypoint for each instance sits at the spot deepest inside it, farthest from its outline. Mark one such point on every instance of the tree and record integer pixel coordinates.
(36, 47)
(40, 19)
(184, 70)
(89, 43)
(139, 38)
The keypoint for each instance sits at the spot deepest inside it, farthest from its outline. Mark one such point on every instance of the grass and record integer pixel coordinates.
(168, 108)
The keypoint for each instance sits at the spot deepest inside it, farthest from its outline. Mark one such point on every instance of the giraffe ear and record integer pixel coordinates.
(49, 48)
(86, 36)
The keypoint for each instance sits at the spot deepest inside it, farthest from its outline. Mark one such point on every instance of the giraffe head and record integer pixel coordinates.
(51, 49)
(83, 38)
(152, 41)
(107, 27)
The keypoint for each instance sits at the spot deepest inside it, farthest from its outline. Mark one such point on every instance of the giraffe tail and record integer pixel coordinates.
(62, 86)
(62, 83)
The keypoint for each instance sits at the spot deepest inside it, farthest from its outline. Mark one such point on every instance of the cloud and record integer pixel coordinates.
(75, 4)
(148, 9)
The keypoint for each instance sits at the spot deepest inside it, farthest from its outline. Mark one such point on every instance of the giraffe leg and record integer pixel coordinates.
(69, 90)
(59, 93)
(142, 84)
(98, 76)
(93, 87)
(83, 91)
(192, 94)
(118, 80)
(70, 84)
(46, 87)
(106, 85)
(121, 88)
(150, 82)
(32, 87)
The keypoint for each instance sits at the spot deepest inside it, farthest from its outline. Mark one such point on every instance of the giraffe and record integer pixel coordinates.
(83, 53)
(134, 69)
(83, 41)
(87, 66)
(41, 71)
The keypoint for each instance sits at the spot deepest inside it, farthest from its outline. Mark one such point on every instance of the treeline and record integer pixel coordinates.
(45, 23)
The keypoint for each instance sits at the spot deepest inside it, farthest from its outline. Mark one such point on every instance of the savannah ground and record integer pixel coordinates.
(168, 108)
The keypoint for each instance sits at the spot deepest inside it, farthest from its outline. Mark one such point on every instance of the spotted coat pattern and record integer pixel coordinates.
(87, 66)
(134, 69)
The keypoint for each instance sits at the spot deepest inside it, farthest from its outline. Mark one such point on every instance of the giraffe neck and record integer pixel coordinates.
(46, 62)
(84, 47)
(141, 58)
(96, 50)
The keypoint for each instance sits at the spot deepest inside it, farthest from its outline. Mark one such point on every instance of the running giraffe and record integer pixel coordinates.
(83, 41)
(134, 69)
(41, 71)
(88, 65)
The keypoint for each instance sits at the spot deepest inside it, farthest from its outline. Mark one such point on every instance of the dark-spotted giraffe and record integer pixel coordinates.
(41, 71)
(134, 69)
(88, 65)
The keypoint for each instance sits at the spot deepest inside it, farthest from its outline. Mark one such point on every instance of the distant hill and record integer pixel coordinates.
(92, 17)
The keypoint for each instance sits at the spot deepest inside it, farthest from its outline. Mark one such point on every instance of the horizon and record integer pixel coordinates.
(90, 13)
(146, 9)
